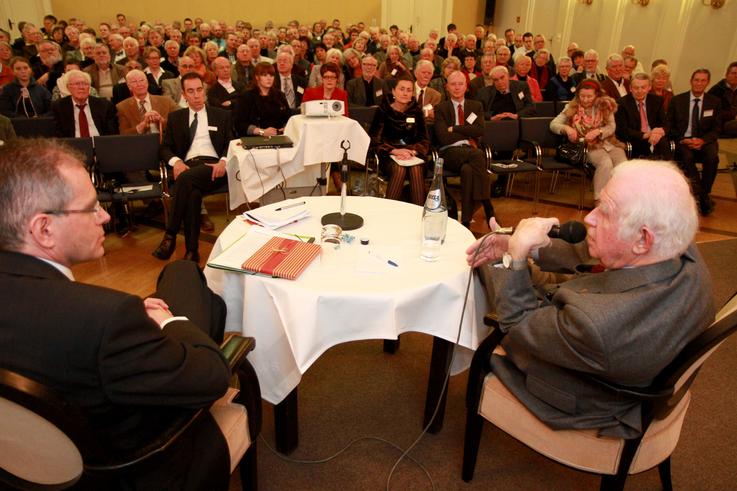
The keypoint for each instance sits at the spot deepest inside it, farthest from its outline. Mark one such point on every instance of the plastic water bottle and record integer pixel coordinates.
(434, 217)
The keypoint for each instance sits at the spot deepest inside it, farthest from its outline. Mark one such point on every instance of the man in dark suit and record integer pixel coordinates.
(225, 90)
(615, 84)
(131, 365)
(590, 68)
(726, 91)
(195, 145)
(293, 86)
(78, 114)
(459, 124)
(641, 120)
(694, 124)
(505, 99)
(624, 324)
(369, 89)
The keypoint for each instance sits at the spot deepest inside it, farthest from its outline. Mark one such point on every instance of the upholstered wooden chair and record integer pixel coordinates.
(664, 404)
(46, 442)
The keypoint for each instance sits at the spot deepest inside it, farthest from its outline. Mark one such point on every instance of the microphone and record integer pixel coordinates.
(571, 231)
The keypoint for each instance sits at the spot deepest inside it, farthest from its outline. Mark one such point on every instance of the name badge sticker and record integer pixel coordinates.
(379, 93)
(394, 72)
(427, 107)
(300, 90)
(708, 112)
(471, 118)
(212, 128)
(573, 89)
(410, 120)
(521, 95)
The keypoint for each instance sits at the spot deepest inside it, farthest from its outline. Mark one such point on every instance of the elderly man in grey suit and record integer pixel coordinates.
(505, 99)
(623, 324)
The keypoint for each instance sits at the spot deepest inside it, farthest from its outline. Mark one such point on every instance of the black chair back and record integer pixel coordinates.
(364, 115)
(501, 136)
(125, 153)
(85, 147)
(559, 106)
(538, 130)
(34, 127)
(545, 108)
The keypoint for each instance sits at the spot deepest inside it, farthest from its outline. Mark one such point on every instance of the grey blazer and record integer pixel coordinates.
(622, 325)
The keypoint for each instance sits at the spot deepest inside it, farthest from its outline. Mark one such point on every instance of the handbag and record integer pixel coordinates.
(571, 153)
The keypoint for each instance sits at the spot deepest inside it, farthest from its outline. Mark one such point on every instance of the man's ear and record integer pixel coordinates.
(644, 242)
(41, 231)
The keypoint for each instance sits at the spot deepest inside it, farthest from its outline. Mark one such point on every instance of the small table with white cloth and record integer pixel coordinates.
(252, 173)
(344, 296)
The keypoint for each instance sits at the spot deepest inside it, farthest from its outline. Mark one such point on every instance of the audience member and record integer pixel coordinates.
(694, 123)
(400, 138)
(47, 65)
(369, 89)
(458, 127)
(242, 69)
(153, 70)
(198, 57)
(104, 74)
(561, 86)
(505, 98)
(195, 144)
(393, 67)
(660, 76)
(589, 117)
(615, 84)
(426, 96)
(590, 68)
(6, 73)
(78, 114)
(23, 97)
(263, 109)
(488, 62)
(143, 112)
(641, 120)
(291, 85)
(726, 91)
(7, 132)
(522, 66)
(624, 324)
(225, 90)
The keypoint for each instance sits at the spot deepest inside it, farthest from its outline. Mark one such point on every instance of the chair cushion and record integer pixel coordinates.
(34, 449)
(232, 419)
(581, 449)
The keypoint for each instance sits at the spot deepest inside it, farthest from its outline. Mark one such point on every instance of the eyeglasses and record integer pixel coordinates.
(329, 77)
(94, 210)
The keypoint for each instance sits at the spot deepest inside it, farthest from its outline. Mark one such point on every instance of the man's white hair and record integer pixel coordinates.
(666, 207)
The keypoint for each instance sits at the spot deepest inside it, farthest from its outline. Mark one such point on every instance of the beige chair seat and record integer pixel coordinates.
(581, 449)
(232, 419)
(34, 449)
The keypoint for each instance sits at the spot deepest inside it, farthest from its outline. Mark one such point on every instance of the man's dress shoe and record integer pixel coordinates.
(166, 248)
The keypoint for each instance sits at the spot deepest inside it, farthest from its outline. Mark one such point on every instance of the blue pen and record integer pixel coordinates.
(388, 261)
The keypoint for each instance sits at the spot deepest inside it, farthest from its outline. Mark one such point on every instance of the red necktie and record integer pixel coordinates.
(461, 117)
(644, 127)
(84, 127)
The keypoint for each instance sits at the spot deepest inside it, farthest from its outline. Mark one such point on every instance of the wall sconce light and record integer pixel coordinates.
(586, 2)
(644, 3)
(716, 4)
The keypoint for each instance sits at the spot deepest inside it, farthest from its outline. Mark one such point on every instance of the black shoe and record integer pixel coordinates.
(706, 205)
(193, 256)
(166, 248)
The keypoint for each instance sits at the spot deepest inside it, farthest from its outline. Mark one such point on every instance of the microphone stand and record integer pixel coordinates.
(346, 221)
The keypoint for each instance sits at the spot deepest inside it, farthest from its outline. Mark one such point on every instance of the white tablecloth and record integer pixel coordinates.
(253, 173)
(337, 300)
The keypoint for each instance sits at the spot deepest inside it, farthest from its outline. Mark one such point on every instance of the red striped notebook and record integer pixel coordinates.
(282, 258)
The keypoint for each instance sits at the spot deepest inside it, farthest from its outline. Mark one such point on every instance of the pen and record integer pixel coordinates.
(291, 206)
(388, 261)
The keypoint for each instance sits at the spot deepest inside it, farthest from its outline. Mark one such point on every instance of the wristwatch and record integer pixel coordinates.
(260, 132)
(513, 264)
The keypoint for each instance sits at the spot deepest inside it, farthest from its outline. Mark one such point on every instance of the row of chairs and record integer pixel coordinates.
(111, 155)
(529, 141)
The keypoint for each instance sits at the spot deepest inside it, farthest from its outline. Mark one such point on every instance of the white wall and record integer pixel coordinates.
(686, 33)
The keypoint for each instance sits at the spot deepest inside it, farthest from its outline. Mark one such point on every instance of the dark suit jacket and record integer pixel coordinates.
(217, 94)
(99, 349)
(297, 82)
(623, 325)
(155, 88)
(611, 90)
(176, 136)
(103, 114)
(628, 119)
(679, 114)
(524, 105)
(579, 77)
(357, 91)
(445, 118)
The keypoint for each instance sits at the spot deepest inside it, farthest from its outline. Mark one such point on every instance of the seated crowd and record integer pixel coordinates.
(126, 78)
(199, 85)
